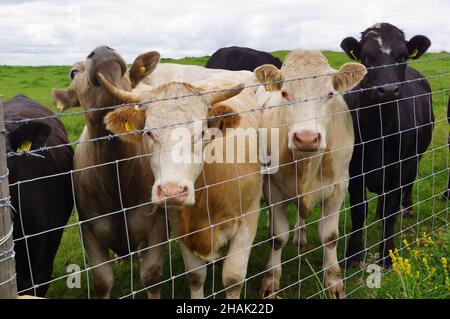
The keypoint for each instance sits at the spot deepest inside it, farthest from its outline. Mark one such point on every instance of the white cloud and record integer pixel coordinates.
(52, 32)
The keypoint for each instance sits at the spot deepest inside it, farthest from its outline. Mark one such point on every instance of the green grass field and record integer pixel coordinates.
(431, 211)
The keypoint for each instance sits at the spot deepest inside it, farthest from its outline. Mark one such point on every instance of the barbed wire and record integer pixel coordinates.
(113, 107)
(173, 239)
(251, 110)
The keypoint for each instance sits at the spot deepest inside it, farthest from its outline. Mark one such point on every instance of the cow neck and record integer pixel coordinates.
(370, 116)
(95, 125)
(105, 150)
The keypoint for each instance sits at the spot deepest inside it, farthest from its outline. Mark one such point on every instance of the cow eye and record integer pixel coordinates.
(73, 73)
(330, 95)
(401, 59)
(150, 135)
(284, 94)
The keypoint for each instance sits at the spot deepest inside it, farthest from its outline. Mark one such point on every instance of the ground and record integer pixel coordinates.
(302, 276)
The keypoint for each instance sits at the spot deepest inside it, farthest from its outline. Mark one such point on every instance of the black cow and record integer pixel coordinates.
(393, 125)
(42, 204)
(446, 194)
(238, 59)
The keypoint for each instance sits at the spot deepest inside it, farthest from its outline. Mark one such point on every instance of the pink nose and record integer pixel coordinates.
(306, 140)
(173, 193)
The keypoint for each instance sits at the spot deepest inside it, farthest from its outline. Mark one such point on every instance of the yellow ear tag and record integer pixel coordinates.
(25, 146)
(414, 53)
(268, 87)
(128, 127)
(353, 55)
(142, 69)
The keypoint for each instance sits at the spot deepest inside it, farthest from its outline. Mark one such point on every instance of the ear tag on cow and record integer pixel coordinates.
(128, 127)
(269, 87)
(25, 146)
(353, 55)
(142, 69)
(414, 53)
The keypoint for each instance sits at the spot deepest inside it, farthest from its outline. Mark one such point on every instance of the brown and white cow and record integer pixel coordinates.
(111, 182)
(315, 145)
(210, 204)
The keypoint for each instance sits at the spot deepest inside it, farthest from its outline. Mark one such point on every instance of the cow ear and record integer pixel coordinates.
(65, 99)
(126, 120)
(270, 75)
(27, 136)
(143, 66)
(352, 48)
(349, 75)
(417, 46)
(221, 115)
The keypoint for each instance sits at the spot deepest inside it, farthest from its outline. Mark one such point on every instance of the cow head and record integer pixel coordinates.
(85, 89)
(169, 126)
(307, 98)
(385, 44)
(27, 136)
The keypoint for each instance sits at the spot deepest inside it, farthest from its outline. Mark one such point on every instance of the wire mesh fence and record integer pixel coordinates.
(139, 230)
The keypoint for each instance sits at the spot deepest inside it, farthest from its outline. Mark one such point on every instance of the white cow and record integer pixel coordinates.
(316, 145)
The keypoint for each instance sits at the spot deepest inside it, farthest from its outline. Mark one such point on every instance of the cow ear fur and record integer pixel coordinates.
(349, 75)
(27, 136)
(143, 66)
(124, 121)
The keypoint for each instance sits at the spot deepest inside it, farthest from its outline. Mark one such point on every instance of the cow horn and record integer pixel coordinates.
(125, 96)
(226, 94)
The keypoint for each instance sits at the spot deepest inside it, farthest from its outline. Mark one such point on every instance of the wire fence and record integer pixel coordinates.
(179, 242)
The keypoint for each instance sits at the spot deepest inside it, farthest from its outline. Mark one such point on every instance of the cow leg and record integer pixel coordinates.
(329, 233)
(407, 202)
(235, 264)
(102, 273)
(359, 211)
(300, 241)
(196, 270)
(387, 209)
(279, 231)
(151, 260)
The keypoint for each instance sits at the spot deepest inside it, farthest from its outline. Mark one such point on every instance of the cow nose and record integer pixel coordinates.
(173, 193)
(388, 91)
(306, 140)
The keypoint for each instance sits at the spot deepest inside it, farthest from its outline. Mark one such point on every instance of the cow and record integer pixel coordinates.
(210, 203)
(393, 122)
(111, 185)
(41, 203)
(446, 195)
(315, 146)
(239, 58)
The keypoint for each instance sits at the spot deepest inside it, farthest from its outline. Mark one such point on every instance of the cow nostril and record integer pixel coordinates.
(317, 139)
(159, 191)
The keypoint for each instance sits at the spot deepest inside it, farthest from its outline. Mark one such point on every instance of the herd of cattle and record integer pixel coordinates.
(127, 188)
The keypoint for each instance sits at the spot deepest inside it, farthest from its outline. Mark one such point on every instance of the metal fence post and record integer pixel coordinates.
(8, 285)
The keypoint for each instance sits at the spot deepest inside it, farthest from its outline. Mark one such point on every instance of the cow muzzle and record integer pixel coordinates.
(388, 92)
(173, 194)
(102, 59)
(306, 141)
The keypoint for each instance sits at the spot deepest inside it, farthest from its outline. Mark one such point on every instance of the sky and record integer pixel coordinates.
(54, 32)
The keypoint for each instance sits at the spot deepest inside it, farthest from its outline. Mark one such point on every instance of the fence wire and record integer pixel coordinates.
(303, 274)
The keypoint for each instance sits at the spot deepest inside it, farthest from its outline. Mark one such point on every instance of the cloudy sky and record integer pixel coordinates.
(54, 32)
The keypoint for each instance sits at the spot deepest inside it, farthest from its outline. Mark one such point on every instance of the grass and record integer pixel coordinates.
(420, 272)
(431, 213)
